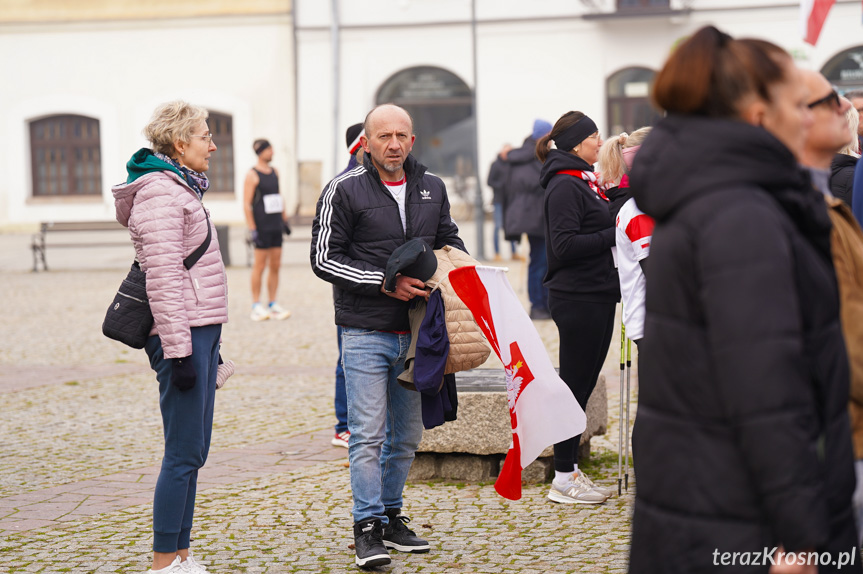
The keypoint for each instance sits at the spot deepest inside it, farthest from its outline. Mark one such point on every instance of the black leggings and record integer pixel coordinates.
(585, 330)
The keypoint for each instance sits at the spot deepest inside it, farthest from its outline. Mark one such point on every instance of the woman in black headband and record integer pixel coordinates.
(582, 280)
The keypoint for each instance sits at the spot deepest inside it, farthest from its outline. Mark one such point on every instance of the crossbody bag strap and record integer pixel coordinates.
(190, 261)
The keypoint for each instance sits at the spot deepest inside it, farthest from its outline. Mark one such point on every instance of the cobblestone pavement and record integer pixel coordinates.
(81, 444)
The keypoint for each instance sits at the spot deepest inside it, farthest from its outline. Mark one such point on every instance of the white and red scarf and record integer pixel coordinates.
(591, 178)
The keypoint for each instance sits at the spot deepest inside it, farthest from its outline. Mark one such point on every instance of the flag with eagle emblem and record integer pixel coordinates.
(543, 411)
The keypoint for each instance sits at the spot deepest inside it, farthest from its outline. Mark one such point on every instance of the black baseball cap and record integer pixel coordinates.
(414, 259)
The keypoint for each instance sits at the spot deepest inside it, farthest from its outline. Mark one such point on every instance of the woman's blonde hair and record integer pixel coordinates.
(611, 164)
(172, 122)
(852, 117)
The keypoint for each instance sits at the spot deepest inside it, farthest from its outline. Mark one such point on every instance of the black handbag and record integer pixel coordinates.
(129, 319)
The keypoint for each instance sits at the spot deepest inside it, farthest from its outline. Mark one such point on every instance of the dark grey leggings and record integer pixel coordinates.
(585, 330)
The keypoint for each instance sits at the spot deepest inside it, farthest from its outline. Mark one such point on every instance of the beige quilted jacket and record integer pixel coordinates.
(467, 346)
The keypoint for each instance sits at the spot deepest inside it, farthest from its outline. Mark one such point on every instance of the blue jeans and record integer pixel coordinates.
(187, 420)
(341, 398)
(498, 228)
(384, 418)
(536, 269)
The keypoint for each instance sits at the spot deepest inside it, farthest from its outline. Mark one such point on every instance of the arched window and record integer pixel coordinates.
(440, 104)
(221, 172)
(65, 157)
(629, 107)
(845, 69)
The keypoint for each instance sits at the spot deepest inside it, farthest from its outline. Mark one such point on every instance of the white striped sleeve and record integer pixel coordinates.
(327, 230)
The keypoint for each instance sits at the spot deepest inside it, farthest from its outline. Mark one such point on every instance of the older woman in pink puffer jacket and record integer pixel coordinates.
(161, 205)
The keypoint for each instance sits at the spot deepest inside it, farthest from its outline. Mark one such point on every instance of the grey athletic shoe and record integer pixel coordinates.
(574, 493)
(585, 481)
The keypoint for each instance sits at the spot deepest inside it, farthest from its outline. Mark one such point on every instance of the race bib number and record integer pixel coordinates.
(273, 203)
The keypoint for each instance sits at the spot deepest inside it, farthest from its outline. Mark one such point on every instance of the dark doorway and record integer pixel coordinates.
(629, 107)
(845, 69)
(440, 104)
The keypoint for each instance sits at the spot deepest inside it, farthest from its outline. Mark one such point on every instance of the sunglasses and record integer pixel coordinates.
(831, 99)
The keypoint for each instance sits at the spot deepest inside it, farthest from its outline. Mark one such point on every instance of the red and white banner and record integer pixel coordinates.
(543, 410)
(813, 13)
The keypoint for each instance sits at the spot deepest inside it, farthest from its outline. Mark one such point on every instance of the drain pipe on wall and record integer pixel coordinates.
(335, 47)
(296, 154)
(479, 212)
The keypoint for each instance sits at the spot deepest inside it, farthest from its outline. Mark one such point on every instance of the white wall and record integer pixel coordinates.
(118, 72)
(536, 59)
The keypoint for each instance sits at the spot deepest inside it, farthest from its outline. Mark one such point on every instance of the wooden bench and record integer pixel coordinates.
(39, 243)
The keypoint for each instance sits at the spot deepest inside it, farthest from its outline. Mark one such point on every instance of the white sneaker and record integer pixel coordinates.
(582, 479)
(574, 493)
(259, 313)
(192, 566)
(176, 567)
(278, 313)
(341, 439)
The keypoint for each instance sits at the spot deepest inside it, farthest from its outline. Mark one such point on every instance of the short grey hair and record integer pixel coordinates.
(172, 122)
(853, 94)
(853, 119)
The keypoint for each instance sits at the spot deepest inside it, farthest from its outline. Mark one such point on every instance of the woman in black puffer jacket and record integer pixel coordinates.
(742, 441)
(581, 279)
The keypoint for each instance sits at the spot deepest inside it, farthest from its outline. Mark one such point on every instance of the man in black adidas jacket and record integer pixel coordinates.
(362, 217)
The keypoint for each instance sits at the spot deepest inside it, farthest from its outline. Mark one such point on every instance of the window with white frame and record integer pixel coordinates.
(221, 172)
(65, 156)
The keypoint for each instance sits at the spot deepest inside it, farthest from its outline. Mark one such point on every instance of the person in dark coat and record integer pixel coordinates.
(524, 215)
(498, 175)
(742, 442)
(581, 279)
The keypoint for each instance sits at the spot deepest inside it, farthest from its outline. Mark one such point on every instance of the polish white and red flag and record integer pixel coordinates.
(813, 13)
(543, 411)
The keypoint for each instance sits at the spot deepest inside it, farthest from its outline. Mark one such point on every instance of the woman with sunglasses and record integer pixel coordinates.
(581, 279)
(161, 204)
(742, 445)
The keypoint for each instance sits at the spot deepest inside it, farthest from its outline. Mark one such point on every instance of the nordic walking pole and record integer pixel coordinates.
(620, 409)
(626, 442)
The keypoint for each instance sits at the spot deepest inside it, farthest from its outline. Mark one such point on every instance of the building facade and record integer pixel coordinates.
(525, 60)
(80, 80)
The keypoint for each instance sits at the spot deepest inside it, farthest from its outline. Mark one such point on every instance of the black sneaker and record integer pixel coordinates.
(369, 545)
(399, 537)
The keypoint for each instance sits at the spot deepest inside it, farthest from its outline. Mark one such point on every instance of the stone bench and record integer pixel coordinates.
(473, 447)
